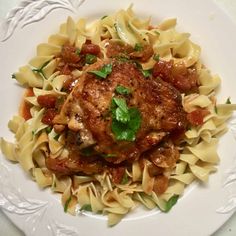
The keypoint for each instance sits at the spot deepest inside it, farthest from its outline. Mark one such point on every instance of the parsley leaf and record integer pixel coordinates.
(125, 121)
(156, 57)
(48, 129)
(122, 90)
(216, 110)
(88, 151)
(146, 73)
(78, 51)
(56, 137)
(90, 58)
(171, 202)
(108, 155)
(86, 207)
(40, 70)
(125, 179)
(138, 47)
(103, 72)
(228, 101)
(13, 76)
(67, 204)
(103, 17)
(120, 110)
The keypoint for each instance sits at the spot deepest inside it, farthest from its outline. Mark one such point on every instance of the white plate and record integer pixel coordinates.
(203, 208)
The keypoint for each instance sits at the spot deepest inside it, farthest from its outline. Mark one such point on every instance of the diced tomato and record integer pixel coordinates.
(47, 101)
(49, 116)
(90, 49)
(196, 117)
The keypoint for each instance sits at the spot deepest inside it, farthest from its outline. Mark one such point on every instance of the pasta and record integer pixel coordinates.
(49, 123)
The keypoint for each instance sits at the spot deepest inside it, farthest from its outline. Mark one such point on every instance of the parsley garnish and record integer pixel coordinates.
(56, 137)
(67, 204)
(13, 76)
(48, 129)
(146, 73)
(228, 101)
(122, 90)
(125, 179)
(78, 51)
(138, 47)
(216, 110)
(108, 155)
(103, 72)
(40, 70)
(171, 202)
(125, 121)
(88, 151)
(90, 58)
(156, 57)
(103, 17)
(86, 207)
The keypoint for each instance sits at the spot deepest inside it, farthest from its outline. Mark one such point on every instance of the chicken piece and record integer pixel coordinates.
(86, 112)
(158, 102)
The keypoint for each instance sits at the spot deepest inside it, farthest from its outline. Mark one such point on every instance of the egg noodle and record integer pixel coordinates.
(35, 141)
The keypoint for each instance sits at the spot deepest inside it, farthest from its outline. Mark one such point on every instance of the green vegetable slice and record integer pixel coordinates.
(103, 72)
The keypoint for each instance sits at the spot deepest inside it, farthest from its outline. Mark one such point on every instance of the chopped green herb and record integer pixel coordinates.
(78, 51)
(86, 207)
(48, 129)
(88, 151)
(55, 184)
(108, 155)
(125, 121)
(103, 72)
(125, 179)
(156, 57)
(122, 90)
(121, 112)
(146, 73)
(216, 110)
(157, 33)
(67, 204)
(56, 137)
(33, 132)
(138, 47)
(90, 58)
(40, 70)
(138, 65)
(103, 17)
(13, 76)
(228, 101)
(122, 58)
(171, 202)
